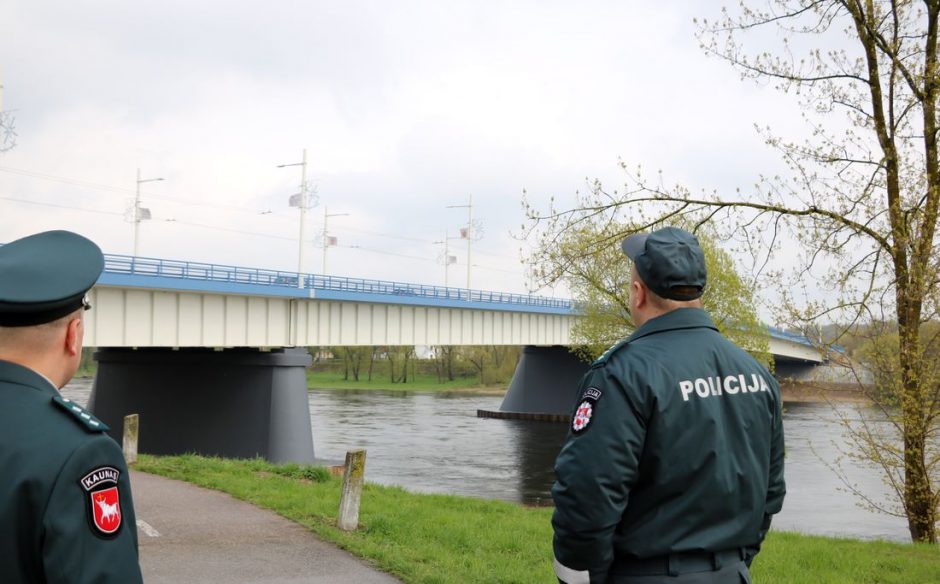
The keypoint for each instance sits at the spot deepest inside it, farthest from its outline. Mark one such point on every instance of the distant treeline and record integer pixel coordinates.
(490, 364)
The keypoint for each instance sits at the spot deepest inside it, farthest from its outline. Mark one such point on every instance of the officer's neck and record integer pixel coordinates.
(650, 311)
(52, 369)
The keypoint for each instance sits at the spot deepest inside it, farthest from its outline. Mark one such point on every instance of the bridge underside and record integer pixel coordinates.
(236, 403)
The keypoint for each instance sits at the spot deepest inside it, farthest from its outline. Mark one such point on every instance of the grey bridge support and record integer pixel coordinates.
(545, 384)
(239, 403)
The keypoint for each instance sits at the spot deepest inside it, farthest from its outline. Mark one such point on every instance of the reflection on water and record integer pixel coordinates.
(437, 444)
(817, 500)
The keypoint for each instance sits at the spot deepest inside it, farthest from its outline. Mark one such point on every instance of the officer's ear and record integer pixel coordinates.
(637, 290)
(74, 331)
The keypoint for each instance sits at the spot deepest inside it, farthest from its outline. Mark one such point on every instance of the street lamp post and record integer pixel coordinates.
(447, 257)
(326, 233)
(468, 232)
(137, 210)
(303, 203)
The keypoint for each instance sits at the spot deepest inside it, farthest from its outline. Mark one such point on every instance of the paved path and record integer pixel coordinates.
(191, 534)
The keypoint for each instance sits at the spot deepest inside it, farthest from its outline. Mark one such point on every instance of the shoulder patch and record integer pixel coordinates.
(587, 405)
(104, 500)
(90, 422)
(602, 360)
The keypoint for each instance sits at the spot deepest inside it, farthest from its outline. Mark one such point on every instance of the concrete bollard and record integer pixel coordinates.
(131, 432)
(352, 490)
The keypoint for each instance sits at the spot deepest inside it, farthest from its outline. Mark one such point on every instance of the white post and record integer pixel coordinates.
(469, 239)
(446, 258)
(303, 218)
(137, 217)
(326, 236)
(131, 433)
(352, 490)
(137, 214)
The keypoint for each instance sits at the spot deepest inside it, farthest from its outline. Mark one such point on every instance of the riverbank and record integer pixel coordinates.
(800, 392)
(462, 386)
(449, 539)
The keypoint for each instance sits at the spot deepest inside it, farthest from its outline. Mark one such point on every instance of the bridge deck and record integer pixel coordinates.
(183, 303)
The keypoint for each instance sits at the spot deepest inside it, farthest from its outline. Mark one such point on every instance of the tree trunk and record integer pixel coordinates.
(356, 365)
(391, 367)
(918, 492)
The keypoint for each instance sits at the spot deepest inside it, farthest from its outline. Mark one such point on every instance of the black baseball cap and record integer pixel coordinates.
(667, 258)
(45, 276)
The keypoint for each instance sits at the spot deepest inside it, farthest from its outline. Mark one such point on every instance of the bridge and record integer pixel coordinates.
(214, 357)
(189, 304)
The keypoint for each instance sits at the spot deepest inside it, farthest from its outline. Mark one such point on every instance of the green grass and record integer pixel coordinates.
(381, 382)
(438, 539)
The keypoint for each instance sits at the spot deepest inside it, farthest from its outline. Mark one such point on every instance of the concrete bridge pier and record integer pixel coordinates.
(238, 403)
(544, 385)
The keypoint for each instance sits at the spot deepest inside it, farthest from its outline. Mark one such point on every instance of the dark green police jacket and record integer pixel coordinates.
(675, 445)
(66, 513)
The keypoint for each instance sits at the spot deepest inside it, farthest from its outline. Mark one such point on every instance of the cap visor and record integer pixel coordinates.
(633, 245)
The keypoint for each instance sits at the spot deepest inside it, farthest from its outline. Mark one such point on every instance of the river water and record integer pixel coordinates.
(437, 444)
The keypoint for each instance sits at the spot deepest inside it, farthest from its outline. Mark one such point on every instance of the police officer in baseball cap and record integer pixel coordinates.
(66, 512)
(673, 466)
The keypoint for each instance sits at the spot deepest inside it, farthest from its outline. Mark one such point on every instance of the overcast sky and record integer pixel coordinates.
(404, 108)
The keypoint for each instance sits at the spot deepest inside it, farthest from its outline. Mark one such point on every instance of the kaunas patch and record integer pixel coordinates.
(104, 500)
(586, 410)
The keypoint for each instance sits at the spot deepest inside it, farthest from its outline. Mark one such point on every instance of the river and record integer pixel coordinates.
(437, 444)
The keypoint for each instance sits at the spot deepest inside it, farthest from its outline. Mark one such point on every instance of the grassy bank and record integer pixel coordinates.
(421, 382)
(444, 539)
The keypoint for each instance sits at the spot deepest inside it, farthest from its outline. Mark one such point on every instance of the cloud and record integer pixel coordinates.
(405, 108)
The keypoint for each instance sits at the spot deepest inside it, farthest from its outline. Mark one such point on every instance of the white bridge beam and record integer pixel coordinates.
(136, 317)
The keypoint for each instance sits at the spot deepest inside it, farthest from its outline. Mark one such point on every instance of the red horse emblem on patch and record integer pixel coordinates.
(106, 506)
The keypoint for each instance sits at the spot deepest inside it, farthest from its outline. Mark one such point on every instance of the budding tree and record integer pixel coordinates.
(861, 200)
(587, 257)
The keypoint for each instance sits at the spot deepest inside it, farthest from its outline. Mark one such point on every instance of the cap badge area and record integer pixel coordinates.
(586, 409)
(104, 499)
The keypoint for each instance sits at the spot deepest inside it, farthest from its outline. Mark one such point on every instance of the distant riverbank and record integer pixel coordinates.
(793, 392)
(798, 392)
(422, 383)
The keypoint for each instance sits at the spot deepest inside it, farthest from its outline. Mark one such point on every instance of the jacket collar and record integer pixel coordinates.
(680, 318)
(13, 373)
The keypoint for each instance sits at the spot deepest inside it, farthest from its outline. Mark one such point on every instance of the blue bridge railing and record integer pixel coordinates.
(787, 336)
(129, 265)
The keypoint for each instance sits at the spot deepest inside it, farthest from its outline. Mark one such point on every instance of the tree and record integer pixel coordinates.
(479, 356)
(353, 358)
(444, 362)
(399, 356)
(494, 364)
(372, 354)
(588, 258)
(861, 199)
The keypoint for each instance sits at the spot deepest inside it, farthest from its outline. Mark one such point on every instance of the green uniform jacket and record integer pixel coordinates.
(676, 445)
(66, 513)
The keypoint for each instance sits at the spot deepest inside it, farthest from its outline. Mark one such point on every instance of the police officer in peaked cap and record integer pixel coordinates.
(673, 465)
(66, 513)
